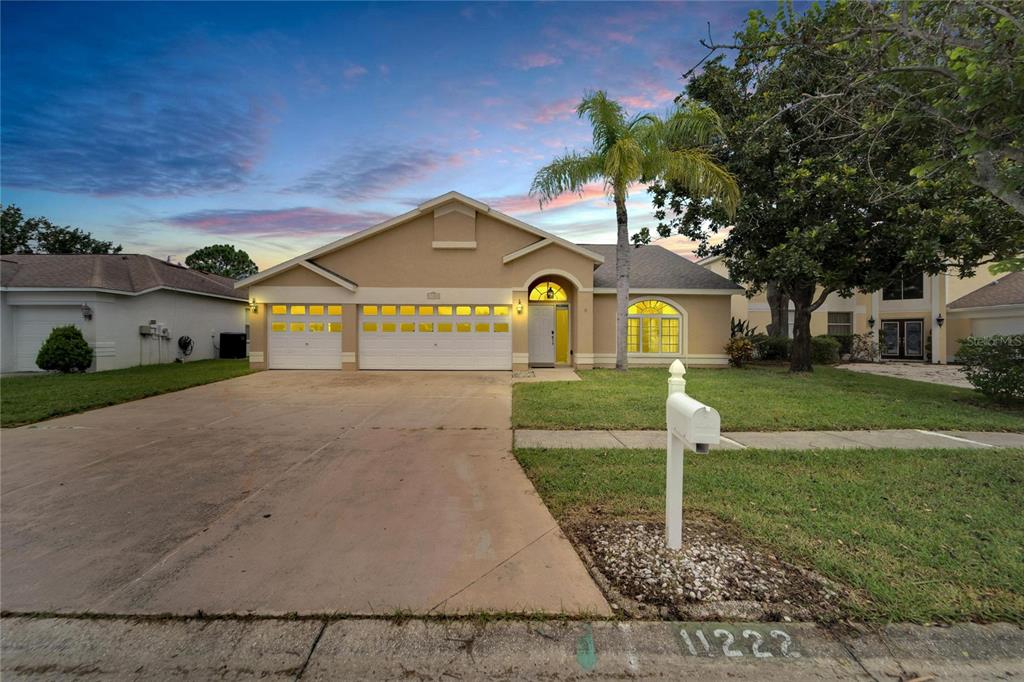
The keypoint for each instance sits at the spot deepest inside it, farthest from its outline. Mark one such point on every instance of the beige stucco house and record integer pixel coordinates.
(909, 316)
(455, 284)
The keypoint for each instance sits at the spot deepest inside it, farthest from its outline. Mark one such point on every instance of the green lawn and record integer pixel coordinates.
(759, 399)
(27, 399)
(926, 535)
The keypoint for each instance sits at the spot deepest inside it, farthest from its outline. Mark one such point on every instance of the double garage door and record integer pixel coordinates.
(435, 337)
(393, 337)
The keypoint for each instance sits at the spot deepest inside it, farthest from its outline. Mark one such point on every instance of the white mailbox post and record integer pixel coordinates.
(693, 425)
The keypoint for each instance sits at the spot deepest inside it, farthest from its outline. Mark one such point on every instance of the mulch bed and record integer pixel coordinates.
(717, 574)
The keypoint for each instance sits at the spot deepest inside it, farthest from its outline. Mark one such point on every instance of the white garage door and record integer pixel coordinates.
(32, 326)
(997, 325)
(435, 337)
(305, 336)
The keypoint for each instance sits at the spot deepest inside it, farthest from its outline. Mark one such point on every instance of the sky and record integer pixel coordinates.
(278, 128)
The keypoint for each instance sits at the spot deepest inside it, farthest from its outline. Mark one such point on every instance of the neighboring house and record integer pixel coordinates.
(113, 299)
(455, 284)
(908, 315)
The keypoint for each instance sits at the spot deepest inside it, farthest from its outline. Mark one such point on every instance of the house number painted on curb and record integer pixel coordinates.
(738, 642)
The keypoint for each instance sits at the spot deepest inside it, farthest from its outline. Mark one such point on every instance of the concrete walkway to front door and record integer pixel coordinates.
(309, 492)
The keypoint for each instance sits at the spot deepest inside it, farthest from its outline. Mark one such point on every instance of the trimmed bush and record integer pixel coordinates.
(824, 350)
(740, 351)
(771, 348)
(994, 365)
(845, 342)
(65, 350)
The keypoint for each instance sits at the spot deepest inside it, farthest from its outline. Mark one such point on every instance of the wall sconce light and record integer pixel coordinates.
(519, 307)
(940, 319)
(871, 322)
(253, 306)
(86, 311)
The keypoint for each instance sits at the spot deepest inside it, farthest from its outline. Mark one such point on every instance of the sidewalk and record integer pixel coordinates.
(776, 440)
(470, 649)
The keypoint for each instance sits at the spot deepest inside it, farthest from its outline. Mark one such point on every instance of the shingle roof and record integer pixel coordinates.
(654, 267)
(128, 273)
(1008, 290)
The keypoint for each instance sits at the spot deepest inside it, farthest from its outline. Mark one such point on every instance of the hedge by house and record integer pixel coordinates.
(994, 365)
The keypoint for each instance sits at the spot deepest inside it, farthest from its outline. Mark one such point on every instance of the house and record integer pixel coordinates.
(909, 314)
(132, 309)
(455, 284)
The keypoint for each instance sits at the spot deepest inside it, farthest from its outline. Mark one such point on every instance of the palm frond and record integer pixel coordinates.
(623, 163)
(607, 118)
(695, 170)
(693, 125)
(567, 173)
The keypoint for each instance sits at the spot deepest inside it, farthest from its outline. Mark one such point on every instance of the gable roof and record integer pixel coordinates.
(127, 273)
(1008, 290)
(655, 267)
(425, 207)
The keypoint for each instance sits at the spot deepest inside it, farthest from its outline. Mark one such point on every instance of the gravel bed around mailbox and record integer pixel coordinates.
(716, 574)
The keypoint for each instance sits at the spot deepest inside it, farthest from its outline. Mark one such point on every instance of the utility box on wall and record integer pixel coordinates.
(232, 345)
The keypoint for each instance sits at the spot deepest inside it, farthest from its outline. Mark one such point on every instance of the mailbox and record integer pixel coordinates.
(693, 421)
(690, 423)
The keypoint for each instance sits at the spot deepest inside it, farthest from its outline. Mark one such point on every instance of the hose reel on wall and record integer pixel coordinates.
(185, 345)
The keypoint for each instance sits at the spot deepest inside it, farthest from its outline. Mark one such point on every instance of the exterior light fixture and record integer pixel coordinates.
(871, 322)
(86, 311)
(519, 307)
(550, 293)
(940, 319)
(253, 306)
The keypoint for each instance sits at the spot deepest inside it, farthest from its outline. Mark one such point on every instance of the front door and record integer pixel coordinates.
(542, 335)
(903, 339)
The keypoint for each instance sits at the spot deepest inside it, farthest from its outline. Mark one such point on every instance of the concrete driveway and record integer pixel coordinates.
(308, 492)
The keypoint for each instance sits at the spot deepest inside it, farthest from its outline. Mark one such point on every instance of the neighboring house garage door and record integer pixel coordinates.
(32, 326)
(435, 337)
(305, 336)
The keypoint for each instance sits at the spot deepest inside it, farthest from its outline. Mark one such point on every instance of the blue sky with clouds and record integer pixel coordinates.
(279, 127)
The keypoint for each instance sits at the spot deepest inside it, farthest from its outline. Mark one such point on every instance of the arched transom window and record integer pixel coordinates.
(653, 327)
(548, 291)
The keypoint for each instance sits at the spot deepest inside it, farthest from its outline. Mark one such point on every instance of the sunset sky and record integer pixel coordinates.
(280, 127)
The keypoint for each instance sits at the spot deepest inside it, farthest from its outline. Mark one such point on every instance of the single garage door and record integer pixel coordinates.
(435, 337)
(32, 326)
(305, 336)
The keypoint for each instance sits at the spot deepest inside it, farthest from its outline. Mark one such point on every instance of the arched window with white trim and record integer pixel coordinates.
(548, 291)
(653, 327)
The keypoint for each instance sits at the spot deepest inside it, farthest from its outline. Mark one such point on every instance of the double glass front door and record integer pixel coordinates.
(903, 339)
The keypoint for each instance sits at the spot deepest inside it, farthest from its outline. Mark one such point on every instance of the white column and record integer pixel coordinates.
(938, 296)
(876, 314)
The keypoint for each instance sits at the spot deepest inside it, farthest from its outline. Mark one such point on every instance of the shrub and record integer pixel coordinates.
(65, 350)
(740, 351)
(845, 343)
(824, 350)
(994, 365)
(863, 348)
(773, 347)
(741, 328)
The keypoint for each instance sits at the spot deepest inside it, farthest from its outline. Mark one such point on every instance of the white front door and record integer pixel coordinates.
(542, 335)
(435, 337)
(32, 326)
(305, 336)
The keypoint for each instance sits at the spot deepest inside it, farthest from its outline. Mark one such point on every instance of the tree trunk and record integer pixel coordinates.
(622, 255)
(800, 357)
(778, 304)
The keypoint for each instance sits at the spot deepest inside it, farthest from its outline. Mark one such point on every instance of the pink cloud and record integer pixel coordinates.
(523, 203)
(355, 71)
(620, 37)
(519, 125)
(652, 95)
(562, 109)
(285, 222)
(537, 60)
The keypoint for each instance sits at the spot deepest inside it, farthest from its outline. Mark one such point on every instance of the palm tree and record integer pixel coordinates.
(641, 148)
